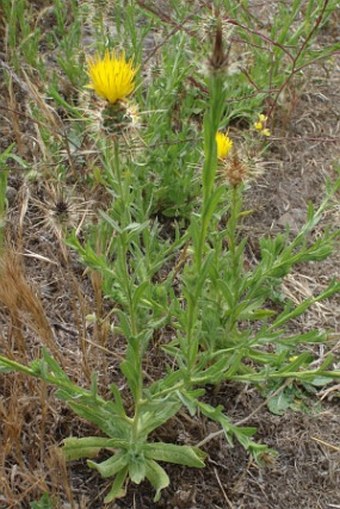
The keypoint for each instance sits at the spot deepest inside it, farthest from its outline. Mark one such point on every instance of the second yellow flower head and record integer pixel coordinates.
(224, 145)
(111, 77)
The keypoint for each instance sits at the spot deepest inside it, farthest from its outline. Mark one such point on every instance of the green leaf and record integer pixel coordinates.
(118, 400)
(301, 360)
(241, 433)
(313, 336)
(225, 288)
(101, 413)
(139, 292)
(54, 368)
(259, 314)
(289, 314)
(212, 203)
(43, 503)
(136, 227)
(156, 412)
(225, 367)
(131, 373)
(279, 403)
(5, 369)
(111, 222)
(6, 154)
(137, 468)
(320, 381)
(112, 465)
(117, 490)
(157, 477)
(88, 447)
(188, 398)
(178, 454)
(9, 365)
(328, 361)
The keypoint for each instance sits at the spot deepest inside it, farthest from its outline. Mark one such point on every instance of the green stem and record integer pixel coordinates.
(118, 170)
(133, 343)
(211, 124)
(235, 208)
(134, 353)
(232, 225)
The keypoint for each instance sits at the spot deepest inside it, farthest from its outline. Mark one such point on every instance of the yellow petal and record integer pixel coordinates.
(111, 77)
(224, 145)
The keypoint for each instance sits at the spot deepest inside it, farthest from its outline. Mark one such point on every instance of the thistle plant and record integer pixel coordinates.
(195, 282)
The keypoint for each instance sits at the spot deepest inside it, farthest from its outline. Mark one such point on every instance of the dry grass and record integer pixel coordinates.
(23, 306)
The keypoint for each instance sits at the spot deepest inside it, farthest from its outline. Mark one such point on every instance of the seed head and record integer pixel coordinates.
(234, 170)
(219, 59)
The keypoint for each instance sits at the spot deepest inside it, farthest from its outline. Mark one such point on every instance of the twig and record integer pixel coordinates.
(331, 446)
(230, 505)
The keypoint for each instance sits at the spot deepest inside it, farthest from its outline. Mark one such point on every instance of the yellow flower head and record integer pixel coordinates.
(111, 77)
(224, 145)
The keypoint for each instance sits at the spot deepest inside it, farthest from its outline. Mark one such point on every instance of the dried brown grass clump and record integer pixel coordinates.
(30, 461)
(23, 306)
(21, 471)
(30, 416)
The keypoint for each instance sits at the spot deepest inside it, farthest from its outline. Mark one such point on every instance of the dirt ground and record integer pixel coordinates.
(306, 472)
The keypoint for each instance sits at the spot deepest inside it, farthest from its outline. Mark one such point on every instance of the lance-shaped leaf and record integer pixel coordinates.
(157, 477)
(137, 467)
(156, 412)
(112, 465)
(172, 453)
(117, 489)
(88, 447)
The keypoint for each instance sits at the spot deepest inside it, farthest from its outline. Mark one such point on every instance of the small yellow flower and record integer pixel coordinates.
(111, 77)
(224, 145)
(260, 125)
